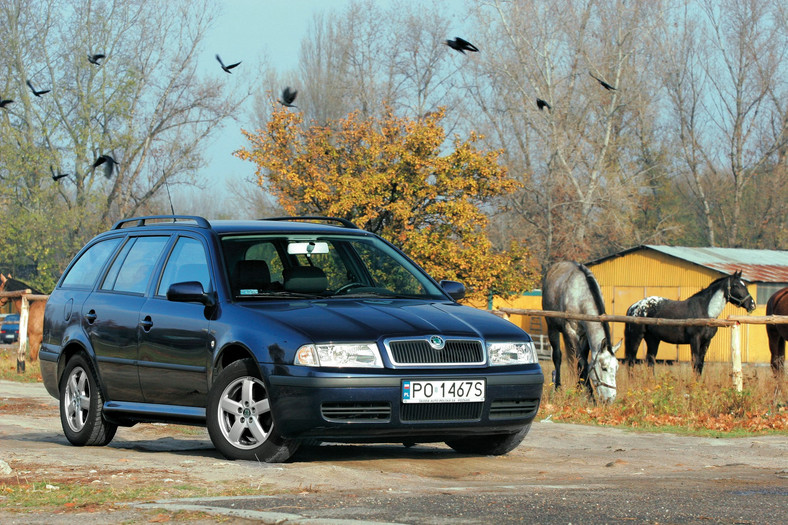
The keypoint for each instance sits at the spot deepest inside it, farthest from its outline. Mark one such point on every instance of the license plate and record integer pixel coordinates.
(437, 391)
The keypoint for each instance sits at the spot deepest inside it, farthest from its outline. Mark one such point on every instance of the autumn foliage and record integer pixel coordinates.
(391, 175)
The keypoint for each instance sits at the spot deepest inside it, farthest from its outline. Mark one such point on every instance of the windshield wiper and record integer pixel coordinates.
(277, 294)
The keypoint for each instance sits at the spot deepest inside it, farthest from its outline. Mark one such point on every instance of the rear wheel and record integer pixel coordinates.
(491, 445)
(81, 405)
(239, 417)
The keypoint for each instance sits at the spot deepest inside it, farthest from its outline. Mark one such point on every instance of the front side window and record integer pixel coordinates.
(84, 272)
(187, 262)
(132, 269)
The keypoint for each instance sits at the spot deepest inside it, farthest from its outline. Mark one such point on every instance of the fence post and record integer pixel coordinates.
(736, 356)
(20, 353)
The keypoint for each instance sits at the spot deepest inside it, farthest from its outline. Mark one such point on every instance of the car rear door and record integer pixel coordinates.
(111, 315)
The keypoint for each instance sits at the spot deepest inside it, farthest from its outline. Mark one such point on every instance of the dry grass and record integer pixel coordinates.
(8, 371)
(671, 397)
(667, 397)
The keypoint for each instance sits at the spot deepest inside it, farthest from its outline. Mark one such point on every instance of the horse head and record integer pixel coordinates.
(736, 292)
(603, 371)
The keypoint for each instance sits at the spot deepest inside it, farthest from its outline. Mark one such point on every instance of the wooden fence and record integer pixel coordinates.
(732, 321)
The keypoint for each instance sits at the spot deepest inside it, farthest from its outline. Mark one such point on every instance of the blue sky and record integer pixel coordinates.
(249, 30)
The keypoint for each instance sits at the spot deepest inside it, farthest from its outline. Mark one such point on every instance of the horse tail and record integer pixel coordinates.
(596, 293)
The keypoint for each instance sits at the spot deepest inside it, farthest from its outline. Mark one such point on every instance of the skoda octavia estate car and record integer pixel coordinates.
(276, 331)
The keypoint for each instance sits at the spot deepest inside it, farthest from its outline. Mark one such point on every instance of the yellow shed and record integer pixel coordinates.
(677, 273)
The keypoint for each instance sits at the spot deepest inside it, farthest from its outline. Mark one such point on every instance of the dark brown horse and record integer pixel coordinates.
(778, 333)
(35, 318)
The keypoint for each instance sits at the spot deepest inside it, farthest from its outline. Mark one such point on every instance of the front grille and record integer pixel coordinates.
(513, 408)
(419, 352)
(355, 412)
(440, 411)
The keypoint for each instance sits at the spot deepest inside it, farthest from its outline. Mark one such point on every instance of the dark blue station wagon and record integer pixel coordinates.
(277, 331)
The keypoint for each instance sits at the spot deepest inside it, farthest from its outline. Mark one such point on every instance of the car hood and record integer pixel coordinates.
(346, 320)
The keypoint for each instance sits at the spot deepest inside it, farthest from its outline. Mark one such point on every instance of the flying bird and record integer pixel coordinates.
(57, 176)
(94, 59)
(226, 68)
(541, 104)
(4, 102)
(602, 82)
(461, 45)
(37, 93)
(288, 97)
(109, 164)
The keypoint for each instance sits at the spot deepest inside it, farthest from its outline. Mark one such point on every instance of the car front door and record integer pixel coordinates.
(175, 341)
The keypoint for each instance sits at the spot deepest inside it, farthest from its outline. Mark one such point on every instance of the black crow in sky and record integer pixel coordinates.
(226, 68)
(602, 82)
(37, 93)
(109, 164)
(57, 176)
(541, 104)
(288, 97)
(461, 45)
(94, 59)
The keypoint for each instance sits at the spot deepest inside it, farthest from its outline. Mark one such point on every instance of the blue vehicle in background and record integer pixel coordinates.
(9, 329)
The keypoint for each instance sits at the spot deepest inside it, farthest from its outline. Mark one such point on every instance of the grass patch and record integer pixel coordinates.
(74, 495)
(671, 398)
(32, 373)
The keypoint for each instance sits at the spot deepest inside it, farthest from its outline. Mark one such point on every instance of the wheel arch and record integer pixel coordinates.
(230, 354)
(71, 349)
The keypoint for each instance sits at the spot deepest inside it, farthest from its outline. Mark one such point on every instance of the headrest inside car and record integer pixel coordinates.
(305, 279)
(251, 274)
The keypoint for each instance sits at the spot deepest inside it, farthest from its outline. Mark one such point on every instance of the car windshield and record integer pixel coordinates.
(261, 266)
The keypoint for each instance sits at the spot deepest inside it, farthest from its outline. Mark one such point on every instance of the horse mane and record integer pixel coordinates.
(596, 293)
(711, 286)
(15, 285)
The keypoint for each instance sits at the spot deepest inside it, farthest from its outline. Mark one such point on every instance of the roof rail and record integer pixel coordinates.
(201, 222)
(344, 222)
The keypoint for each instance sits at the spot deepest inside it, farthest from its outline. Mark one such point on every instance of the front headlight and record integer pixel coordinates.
(357, 355)
(511, 353)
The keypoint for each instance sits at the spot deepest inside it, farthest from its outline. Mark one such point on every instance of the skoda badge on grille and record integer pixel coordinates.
(437, 342)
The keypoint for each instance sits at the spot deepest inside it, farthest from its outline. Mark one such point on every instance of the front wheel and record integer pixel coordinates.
(81, 405)
(494, 445)
(239, 417)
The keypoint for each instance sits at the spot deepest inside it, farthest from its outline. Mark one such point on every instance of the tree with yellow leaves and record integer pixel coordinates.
(388, 175)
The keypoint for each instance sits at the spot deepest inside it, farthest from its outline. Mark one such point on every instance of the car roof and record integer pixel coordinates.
(328, 225)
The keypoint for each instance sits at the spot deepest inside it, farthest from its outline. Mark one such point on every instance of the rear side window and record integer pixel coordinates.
(85, 271)
(132, 269)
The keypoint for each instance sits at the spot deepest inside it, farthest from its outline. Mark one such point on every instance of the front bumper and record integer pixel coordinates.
(368, 407)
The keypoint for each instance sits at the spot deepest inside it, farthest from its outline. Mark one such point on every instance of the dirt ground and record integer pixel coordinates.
(166, 462)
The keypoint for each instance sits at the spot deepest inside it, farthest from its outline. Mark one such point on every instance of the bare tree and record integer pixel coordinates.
(578, 160)
(143, 104)
(726, 82)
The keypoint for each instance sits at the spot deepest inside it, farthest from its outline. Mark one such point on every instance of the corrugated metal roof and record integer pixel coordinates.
(756, 265)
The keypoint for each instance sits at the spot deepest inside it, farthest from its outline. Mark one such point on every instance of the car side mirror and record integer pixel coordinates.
(190, 292)
(455, 290)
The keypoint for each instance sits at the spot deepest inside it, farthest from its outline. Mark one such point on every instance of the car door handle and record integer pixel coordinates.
(146, 323)
(91, 316)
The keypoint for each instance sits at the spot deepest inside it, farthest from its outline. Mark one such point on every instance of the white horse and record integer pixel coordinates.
(571, 287)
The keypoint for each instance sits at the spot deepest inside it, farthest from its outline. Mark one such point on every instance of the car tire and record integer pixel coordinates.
(81, 405)
(490, 445)
(239, 417)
